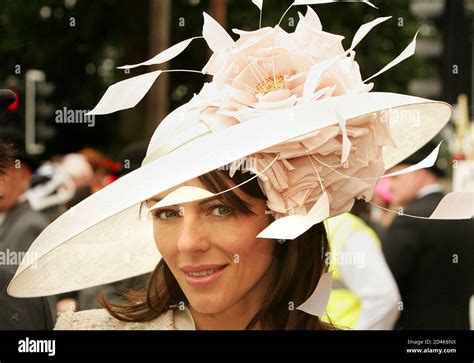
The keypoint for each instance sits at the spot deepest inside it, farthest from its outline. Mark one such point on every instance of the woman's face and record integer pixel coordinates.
(213, 252)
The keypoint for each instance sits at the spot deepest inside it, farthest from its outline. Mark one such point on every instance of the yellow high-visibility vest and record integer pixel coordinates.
(344, 305)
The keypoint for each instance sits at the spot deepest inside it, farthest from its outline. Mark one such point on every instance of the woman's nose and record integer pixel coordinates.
(194, 236)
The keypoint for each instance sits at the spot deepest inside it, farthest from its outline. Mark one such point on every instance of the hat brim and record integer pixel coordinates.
(106, 237)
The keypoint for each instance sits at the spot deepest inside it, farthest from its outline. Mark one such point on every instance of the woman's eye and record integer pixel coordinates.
(166, 214)
(221, 210)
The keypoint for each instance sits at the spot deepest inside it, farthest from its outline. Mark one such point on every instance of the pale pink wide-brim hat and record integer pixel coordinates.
(106, 237)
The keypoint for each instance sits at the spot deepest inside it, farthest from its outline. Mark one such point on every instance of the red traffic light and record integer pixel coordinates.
(15, 105)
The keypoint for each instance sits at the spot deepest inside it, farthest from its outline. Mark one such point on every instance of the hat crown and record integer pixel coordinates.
(177, 129)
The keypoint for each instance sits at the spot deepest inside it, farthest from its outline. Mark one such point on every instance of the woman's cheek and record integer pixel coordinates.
(166, 243)
(252, 249)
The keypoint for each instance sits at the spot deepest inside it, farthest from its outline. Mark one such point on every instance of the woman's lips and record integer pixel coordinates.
(204, 280)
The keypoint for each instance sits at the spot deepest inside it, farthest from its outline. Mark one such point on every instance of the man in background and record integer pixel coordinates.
(19, 223)
(18, 314)
(431, 260)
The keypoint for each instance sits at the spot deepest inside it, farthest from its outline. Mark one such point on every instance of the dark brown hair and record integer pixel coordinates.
(299, 265)
(6, 155)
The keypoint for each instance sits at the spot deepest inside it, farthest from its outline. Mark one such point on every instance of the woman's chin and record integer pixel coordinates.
(207, 305)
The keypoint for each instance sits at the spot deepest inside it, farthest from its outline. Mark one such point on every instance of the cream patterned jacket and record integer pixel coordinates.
(100, 319)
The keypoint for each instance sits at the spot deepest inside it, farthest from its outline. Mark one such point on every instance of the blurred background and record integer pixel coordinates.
(77, 45)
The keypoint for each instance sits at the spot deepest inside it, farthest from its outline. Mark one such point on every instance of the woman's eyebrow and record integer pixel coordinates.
(203, 201)
(211, 199)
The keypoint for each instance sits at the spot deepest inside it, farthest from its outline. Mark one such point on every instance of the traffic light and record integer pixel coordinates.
(429, 48)
(14, 107)
(44, 111)
(445, 47)
(32, 112)
(13, 116)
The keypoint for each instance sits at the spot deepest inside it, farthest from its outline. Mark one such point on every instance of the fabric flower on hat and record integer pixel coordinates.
(266, 70)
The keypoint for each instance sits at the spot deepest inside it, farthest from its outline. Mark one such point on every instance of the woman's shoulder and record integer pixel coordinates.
(100, 319)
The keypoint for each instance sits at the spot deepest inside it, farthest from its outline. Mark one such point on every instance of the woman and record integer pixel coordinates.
(259, 281)
(289, 107)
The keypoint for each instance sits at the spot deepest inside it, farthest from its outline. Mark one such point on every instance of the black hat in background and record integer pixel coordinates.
(16, 140)
(7, 97)
(421, 154)
(132, 154)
